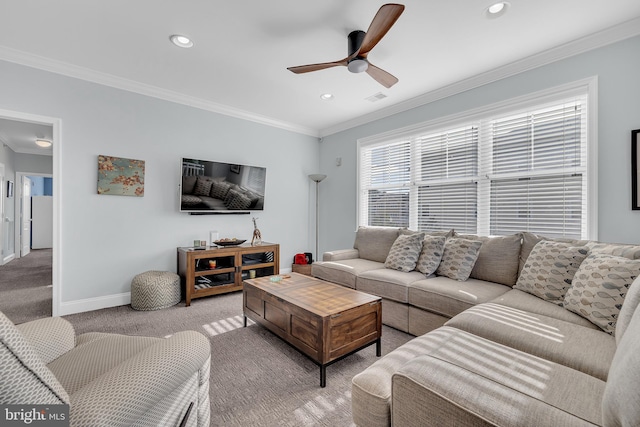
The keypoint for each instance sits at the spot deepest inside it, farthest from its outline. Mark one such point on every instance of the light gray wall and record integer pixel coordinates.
(106, 240)
(34, 163)
(617, 68)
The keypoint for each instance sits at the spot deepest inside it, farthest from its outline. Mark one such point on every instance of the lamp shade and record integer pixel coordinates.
(317, 177)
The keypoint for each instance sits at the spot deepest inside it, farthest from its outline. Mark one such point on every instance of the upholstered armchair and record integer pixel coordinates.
(107, 379)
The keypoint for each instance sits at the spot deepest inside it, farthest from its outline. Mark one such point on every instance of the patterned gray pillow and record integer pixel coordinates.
(549, 269)
(404, 252)
(431, 254)
(458, 258)
(599, 288)
(219, 189)
(203, 186)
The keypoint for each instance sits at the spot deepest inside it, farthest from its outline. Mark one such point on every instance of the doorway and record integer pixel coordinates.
(18, 225)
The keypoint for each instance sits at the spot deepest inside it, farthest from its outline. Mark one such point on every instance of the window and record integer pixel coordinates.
(510, 168)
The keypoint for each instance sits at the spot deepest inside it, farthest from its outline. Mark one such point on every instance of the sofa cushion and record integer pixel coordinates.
(583, 349)
(470, 381)
(617, 249)
(343, 272)
(530, 240)
(371, 389)
(404, 252)
(25, 378)
(524, 301)
(599, 288)
(190, 200)
(203, 186)
(549, 270)
(430, 254)
(449, 297)
(498, 258)
(458, 258)
(386, 283)
(237, 200)
(96, 356)
(219, 189)
(631, 302)
(374, 243)
(188, 184)
(622, 394)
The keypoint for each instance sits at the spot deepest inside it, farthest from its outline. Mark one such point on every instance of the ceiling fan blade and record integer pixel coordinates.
(316, 67)
(381, 76)
(381, 24)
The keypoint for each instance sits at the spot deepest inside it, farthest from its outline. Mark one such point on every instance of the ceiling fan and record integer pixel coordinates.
(360, 44)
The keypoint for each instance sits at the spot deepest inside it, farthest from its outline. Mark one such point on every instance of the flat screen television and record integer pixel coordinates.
(208, 187)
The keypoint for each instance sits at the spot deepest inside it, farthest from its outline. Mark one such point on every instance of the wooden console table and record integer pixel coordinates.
(218, 270)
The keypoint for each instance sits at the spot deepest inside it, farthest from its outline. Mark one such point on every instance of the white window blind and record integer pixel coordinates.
(537, 171)
(447, 174)
(521, 169)
(384, 184)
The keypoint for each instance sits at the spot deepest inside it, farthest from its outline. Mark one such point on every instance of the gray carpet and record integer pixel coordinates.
(25, 287)
(256, 378)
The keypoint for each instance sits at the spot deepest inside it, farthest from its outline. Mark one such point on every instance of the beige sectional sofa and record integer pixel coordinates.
(491, 350)
(106, 379)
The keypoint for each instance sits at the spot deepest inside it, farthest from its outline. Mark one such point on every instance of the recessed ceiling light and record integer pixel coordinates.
(181, 41)
(43, 143)
(497, 9)
(326, 97)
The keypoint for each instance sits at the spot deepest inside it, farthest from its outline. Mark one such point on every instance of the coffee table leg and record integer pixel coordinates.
(245, 321)
(378, 346)
(323, 375)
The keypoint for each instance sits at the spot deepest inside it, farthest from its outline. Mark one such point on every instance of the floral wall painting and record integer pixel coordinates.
(120, 177)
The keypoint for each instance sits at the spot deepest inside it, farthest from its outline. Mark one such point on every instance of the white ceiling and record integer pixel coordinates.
(21, 136)
(242, 49)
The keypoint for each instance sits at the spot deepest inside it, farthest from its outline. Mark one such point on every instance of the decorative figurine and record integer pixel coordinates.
(257, 236)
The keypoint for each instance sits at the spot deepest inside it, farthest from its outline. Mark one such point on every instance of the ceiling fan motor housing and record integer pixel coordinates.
(357, 64)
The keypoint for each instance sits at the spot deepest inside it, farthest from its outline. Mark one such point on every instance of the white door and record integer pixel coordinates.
(41, 222)
(25, 229)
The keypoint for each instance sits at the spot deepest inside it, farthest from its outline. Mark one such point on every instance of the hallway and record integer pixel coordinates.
(25, 287)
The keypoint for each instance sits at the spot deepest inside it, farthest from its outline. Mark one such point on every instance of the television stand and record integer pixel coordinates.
(218, 270)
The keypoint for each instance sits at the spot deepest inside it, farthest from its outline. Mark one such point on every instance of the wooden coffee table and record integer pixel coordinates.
(327, 322)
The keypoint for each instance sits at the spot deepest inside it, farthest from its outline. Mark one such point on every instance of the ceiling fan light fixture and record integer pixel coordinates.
(181, 41)
(43, 143)
(497, 9)
(358, 66)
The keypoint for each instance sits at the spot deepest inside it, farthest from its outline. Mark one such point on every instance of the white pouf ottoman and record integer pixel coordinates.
(153, 290)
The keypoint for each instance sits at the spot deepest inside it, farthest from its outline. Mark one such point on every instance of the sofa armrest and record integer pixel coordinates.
(50, 337)
(341, 254)
(126, 393)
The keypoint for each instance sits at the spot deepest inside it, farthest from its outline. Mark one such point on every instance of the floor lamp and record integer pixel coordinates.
(317, 178)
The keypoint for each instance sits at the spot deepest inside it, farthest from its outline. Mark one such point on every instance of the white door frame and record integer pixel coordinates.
(57, 186)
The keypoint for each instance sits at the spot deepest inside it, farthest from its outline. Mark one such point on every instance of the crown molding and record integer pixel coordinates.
(82, 73)
(593, 41)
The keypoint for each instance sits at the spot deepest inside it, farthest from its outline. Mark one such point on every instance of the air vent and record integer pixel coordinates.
(376, 97)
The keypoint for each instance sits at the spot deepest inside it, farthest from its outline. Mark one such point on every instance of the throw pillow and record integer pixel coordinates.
(236, 200)
(458, 258)
(203, 186)
(599, 288)
(188, 184)
(404, 252)
(498, 259)
(431, 254)
(549, 269)
(219, 189)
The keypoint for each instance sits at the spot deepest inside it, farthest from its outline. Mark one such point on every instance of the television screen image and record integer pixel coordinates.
(216, 187)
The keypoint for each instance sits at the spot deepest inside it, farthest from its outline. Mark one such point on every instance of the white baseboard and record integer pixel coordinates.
(90, 304)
